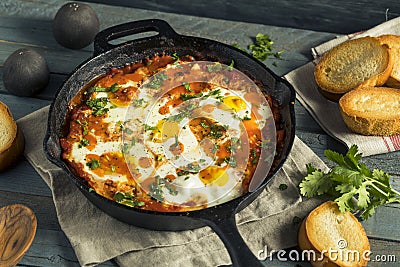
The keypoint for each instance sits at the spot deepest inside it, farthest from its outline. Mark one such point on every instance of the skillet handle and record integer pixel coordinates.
(103, 38)
(226, 229)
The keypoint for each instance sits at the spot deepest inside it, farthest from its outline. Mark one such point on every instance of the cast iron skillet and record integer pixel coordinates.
(220, 218)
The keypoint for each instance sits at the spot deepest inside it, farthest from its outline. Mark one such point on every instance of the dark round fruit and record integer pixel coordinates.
(75, 25)
(25, 72)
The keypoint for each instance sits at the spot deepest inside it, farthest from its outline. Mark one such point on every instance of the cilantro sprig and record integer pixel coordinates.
(351, 184)
(262, 48)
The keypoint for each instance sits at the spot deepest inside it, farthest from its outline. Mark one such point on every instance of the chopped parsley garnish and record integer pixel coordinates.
(150, 128)
(265, 144)
(83, 142)
(254, 155)
(230, 161)
(84, 126)
(350, 184)
(128, 199)
(215, 93)
(204, 125)
(125, 148)
(156, 188)
(187, 110)
(283, 187)
(262, 48)
(235, 144)
(215, 148)
(190, 168)
(216, 67)
(176, 140)
(246, 118)
(185, 97)
(175, 57)
(98, 105)
(128, 131)
(113, 88)
(230, 67)
(217, 131)
(157, 80)
(187, 86)
(138, 102)
(93, 164)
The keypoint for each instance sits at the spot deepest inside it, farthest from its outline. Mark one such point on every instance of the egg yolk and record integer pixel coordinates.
(214, 175)
(234, 102)
(165, 130)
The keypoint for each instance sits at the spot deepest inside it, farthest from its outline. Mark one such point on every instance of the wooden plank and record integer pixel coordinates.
(381, 226)
(48, 93)
(22, 106)
(225, 31)
(42, 206)
(22, 178)
(384, 253)
(325, 15)
(32, 32)
(69, 60)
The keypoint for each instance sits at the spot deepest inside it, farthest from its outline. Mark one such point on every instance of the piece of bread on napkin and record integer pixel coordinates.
(361, 61)
(393, 42)
(372, 110)
(11, 139)
(340, 237)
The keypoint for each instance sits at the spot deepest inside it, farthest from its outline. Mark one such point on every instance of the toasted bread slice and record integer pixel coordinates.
(361, 61)
(372, 110)
(11, 139)
(340, 237)
(393, 42)
(8, 128)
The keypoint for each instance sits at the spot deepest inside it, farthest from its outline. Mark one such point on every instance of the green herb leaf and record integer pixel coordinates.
(283, 187)
(98, 105)
(262, 48)
(150, 128)
(157, 80)
(185, 97)
(93, 164)
(350, 184)
(128, 199)
(83, 142)
(187, 86)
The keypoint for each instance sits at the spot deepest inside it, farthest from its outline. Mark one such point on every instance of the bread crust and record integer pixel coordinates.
(323, 230)
(8, 128)
(12, 139)
(393, 42)
(343, 226)
(10, 156)
(358, 62)
(372, 110)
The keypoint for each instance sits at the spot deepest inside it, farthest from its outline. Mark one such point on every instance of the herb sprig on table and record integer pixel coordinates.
(352, 185)
(262, 48)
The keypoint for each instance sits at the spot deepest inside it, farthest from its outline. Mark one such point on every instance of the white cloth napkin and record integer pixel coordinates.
(97, 237)
(326, 112)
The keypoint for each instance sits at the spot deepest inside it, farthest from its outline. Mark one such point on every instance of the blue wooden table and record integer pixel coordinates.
(27, 23)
